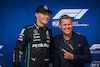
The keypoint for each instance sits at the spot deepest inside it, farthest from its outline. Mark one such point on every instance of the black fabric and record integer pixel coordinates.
(35, 41)
(81, 50)
(65, 45)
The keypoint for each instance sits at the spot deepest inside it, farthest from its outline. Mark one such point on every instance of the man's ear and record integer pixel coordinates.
(59, 25)
(36, 15)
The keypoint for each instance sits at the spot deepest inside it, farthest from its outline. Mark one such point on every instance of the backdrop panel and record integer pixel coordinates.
(16, 14)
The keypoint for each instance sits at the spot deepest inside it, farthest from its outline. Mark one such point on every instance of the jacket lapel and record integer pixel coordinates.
(76, 41)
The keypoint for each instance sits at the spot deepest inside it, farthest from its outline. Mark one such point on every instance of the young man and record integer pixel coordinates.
(35, 41)
(69, 48)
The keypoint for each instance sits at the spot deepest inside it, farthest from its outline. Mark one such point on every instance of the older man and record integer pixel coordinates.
(69, 48)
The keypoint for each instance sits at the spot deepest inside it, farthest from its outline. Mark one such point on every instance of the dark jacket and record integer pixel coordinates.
(35, 41)
(81, 50)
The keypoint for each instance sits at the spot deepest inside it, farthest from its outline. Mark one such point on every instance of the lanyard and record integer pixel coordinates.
(69, 44)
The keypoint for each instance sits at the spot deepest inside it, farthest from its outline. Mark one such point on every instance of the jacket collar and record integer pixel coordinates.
(38, 27)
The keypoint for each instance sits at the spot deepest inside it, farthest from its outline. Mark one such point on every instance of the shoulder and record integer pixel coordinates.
(26, 28)
(48, 28)
(58, 36)
(56, 39)
(29, 27)
(78, 36)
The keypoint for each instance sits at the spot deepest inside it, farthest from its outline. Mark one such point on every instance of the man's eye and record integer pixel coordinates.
(64, 24)
(69, 24)
(44, 14)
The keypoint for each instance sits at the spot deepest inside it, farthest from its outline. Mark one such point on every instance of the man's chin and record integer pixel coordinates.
(68, 33)
(45, 22)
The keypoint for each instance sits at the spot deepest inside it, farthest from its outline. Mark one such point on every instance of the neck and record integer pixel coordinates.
(67, 36)
(40, 24)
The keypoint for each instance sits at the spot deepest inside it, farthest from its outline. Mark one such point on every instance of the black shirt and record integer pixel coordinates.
(64, 44)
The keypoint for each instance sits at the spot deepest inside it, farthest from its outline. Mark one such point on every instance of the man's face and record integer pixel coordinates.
(42, 18)
(66, 26)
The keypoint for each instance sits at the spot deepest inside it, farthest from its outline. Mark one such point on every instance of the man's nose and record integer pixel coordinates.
(67, 26)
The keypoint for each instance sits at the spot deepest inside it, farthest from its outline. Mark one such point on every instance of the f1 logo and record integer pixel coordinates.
(95, 64)
(0, 66)
(95, 46)
(77, 13)
(1, 46)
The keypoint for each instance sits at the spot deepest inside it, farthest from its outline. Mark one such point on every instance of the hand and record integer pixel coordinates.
(78, 33)
(68, 55)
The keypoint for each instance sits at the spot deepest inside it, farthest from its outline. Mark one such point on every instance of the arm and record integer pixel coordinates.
(19, 48)
(85, 57)
(50, 48)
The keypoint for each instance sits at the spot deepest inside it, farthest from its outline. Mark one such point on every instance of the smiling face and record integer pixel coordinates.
(42, 18)
(66, 26)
